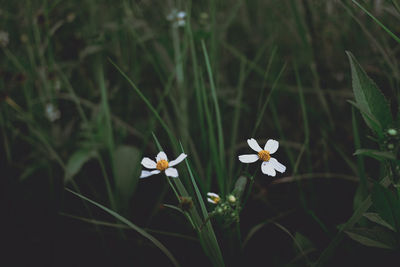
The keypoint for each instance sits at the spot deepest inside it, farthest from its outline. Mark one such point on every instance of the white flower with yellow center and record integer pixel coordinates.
(269, 164)
(177, 18)
(161, 164)
(213, 198)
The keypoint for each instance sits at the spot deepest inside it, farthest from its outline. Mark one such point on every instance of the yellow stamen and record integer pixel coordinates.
(264, 155)
(215, 199)
(162, 165)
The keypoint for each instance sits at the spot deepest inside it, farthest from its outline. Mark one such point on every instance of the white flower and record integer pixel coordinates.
(161, 164)
(213, 198)
(177, 18)
(52, 113)
(269, 164)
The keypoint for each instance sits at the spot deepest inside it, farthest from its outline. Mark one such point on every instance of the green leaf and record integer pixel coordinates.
(76, 161)
(376, 237)
(30, 170)
(370, 119)
(387, 205)
(369, 97)
(329, 251)
(240, 185)
(126, 162)
(303, 242)
(376, 154)
(374, 217)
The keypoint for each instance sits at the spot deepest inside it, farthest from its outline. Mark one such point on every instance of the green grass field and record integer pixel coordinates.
(90, 89)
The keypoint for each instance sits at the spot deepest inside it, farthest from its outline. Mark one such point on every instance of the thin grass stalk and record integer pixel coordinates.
(221, 144)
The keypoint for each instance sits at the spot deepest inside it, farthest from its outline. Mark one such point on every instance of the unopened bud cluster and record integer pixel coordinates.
(228, 209)
(392, 138)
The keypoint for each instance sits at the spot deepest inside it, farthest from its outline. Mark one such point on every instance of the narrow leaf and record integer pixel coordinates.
(376, 237)
(374, 217)
(131, 225)
(376, 154)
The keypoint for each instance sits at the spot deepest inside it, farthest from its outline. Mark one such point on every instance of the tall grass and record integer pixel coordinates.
(129, 83)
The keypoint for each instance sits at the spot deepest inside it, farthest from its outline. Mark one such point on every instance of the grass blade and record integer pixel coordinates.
(216, 105)
(131, 225)
(377, 21)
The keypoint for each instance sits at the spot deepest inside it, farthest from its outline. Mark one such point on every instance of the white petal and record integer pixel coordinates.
(145, 174)
(161, 155)
(148, 163)
(211, 201)
(271, 146)
(210, 194)
(177, 160)
(171, 172)
(268, 168)
(277, 165)
(248, 158)
(254, 145)
(181, 14)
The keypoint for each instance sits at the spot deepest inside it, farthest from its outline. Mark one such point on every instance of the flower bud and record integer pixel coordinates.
(186, 203)
(392, 132)
(232, 199)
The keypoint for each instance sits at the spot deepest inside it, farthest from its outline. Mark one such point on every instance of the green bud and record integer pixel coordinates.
(392, 132)
(390, 146)
(232, 199)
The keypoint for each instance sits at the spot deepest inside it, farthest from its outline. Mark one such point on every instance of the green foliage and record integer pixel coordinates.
(302, 244)
(236, 70)
(240, 187)
(376, 154)
(76, 161)
(131, 225)
(387, 205)
(126, 163)
(369, 99)
(376, 237)
(374, 217)
(206, 234)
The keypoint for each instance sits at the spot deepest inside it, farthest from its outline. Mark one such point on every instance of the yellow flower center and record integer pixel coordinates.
(215, 199)
(162, 165)
(264, 155)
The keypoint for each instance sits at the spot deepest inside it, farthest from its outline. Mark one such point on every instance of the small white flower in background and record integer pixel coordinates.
(213, 198)
(161, 164)
(269, 164)
(4, 38)
(177, 18)
(52, 113)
